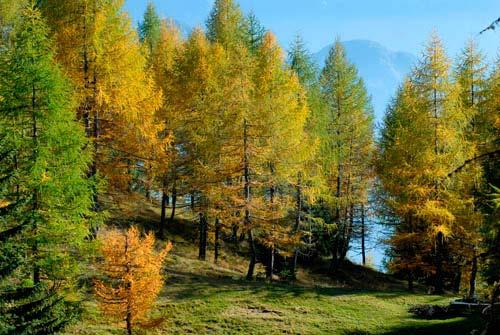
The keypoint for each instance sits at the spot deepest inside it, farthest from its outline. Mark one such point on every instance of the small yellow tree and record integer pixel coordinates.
(132, 269)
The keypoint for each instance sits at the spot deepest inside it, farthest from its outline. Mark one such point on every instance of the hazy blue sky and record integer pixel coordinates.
(398, 24)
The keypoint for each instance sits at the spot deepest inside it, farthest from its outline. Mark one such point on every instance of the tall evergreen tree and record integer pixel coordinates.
(346, 141)
(397, 147)
(226, 24)
(443, 150)
(415, 162)
(150, 28)
(44, 193)
(470, 74)
(193, 79)
(221, 145)
(253, 32)
(309, 181)
(280, 106)
(164, 65)
(300, 60)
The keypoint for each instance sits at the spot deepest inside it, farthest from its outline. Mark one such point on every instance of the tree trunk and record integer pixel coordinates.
(36, 194)
(336, 241)
(473, 274)
(493, 319)
(334, 264)
(129, 172)
(217, 241)
(272, 191)
(294, 264)
(439, 238)
(93, 167)
(203, 237)
(247, 223)
(174, 203)
(253, 256)
(86, 69)
(410, 281)
(270, 268)
(341, 243)
(163, 217)
(128, 318)
(147, 186)
(439, 289)
(89, 104)
(234, 233)
(347, 234)
(129, 324)
(457, 280)
(95, 135)
(298, 218)
(363, 249)
(411, 252)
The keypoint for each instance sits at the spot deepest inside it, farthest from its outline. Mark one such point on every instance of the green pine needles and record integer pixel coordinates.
(45, 196)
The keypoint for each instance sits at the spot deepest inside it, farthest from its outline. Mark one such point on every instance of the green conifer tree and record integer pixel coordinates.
(226, 24)
(44, 193)
(346, 145)
(150, 28)
(470, 74)
(254, 32)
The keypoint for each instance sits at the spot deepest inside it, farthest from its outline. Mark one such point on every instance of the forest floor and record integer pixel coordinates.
(201, 297)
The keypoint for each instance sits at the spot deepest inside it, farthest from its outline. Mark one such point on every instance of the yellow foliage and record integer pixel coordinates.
(132, 269)
(433, 211)
(100, 52)
(443, 229)
(4, 203)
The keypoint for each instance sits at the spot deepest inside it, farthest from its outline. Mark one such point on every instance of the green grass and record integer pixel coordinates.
(203, 298)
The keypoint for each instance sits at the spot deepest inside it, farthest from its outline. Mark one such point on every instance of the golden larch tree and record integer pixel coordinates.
(132, 270)
(117, 97)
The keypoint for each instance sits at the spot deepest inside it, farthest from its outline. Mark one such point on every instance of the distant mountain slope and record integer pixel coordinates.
(382, 69)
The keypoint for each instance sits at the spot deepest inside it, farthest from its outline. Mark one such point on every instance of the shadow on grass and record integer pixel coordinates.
(196, 286)
(457, 326)
(398, 293)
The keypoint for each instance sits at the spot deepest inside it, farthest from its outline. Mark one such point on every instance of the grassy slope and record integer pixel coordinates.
(203, 298)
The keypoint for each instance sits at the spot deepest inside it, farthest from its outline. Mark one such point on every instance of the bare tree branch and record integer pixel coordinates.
(477, 158)
(492, 26)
